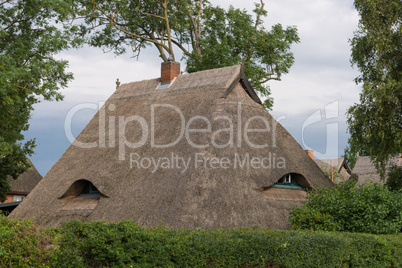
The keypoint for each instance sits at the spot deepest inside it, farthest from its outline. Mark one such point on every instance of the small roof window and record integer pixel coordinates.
(89, 191)
(287, 182)
(83, 188)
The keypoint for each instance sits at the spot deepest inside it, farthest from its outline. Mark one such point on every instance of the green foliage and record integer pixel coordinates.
(375, 123)
(351, 154)
(207, 36)
(24, 245)
(99, 244)
(370, 208)
(229, 36)
(394, 180)
(332, 175)
(29, 38)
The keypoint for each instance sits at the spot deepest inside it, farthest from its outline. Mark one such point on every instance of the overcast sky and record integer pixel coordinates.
(310, 101)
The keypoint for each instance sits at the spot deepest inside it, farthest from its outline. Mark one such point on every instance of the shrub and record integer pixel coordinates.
(394, 179)
(369, 208)
(96, 244)
(22, 244)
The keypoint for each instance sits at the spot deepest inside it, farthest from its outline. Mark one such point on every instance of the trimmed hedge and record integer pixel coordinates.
(124, 244)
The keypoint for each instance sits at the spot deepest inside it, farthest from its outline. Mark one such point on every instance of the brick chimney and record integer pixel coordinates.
(169, 71)
(310, 153)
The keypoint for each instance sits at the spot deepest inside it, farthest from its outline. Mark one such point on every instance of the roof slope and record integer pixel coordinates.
(26, 181)
(367, 172)
(205, 194)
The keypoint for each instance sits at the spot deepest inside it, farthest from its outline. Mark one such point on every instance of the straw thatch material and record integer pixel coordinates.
(25, 182)
(199, 196)
(366, 171)
(340, 168)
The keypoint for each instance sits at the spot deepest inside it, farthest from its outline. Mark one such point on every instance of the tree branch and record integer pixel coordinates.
(14, 22)
(149, 14)
(24, 88)
(181, 47)
(199, 19)
(168, 48)
(153, 40)
(135, 48)
(161, 51)
(257, 22)
(165, 3)
(270, 78)
(7, 1)
(196, 42)
(197, 29)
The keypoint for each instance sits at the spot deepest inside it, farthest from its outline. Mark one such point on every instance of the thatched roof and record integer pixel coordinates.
(25, 182)
(201, 195)
(339, 166)
(366, 171)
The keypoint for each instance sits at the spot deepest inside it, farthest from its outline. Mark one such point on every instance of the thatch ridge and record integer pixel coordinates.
(198, 196)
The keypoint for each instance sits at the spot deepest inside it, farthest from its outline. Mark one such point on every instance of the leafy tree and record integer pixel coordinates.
(207, 36)
(369, 208)
(28, 73)
(375, 123)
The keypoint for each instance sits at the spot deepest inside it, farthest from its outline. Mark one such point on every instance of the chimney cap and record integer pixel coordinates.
(170, 58)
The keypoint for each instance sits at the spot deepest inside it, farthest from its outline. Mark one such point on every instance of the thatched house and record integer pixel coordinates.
(196, 151)
(337, 169)
(366, 171)
(20, 188)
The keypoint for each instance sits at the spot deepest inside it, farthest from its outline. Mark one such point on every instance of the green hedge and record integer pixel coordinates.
(24, 245)
(124, 244)
(368, 208)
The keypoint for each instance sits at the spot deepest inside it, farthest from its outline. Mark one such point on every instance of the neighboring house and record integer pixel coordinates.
(366, 171)
(191, 150)
(20, 188)
(337, 169)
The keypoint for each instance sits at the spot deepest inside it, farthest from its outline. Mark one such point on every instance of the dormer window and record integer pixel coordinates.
(89, 191)
(287, 182)
(83, 189)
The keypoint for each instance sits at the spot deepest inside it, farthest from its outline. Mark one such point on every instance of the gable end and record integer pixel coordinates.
(246, 86)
